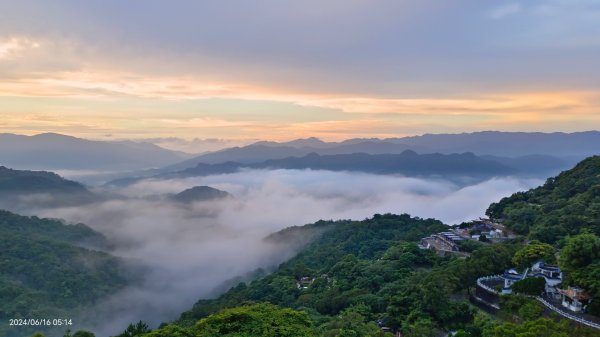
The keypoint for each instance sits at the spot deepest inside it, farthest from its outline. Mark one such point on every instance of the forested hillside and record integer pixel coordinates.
(45, 271)
(13, 181)
(361, 276)
(564, 212)
(23, 187)
(565, 205)
(358, 273)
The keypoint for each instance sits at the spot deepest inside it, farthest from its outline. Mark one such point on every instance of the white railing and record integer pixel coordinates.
(567, 315)
(490, 289)
(543, 301)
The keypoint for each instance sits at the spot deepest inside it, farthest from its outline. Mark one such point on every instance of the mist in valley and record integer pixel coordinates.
(190, 249)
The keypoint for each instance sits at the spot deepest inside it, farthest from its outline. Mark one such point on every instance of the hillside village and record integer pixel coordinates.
(568, 301)
(482, 230)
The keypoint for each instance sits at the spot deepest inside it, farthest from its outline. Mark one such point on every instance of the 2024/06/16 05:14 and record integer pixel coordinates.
(40, 321)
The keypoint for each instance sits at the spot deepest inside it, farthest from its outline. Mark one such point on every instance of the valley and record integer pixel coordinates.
(370, 274)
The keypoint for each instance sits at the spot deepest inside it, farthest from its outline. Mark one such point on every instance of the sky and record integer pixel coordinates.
(279, 70)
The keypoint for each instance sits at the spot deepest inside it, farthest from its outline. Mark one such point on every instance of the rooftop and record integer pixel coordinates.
(575, 293)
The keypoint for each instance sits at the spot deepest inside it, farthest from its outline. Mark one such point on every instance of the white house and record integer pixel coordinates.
(552, 274)
(510, 277)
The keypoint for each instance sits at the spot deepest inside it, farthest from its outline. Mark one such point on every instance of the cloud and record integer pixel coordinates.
(505, 10)
(196, 145)
(190, 250)
(11, 47)
(88, 64)
(189, 107)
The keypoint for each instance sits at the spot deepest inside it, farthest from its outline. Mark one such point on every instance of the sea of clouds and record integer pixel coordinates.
(189, 250)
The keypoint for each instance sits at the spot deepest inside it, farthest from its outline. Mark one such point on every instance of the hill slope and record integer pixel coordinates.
(356, 273)
(33, 187)
(45, 271)
(199, 193)
(564, 205)
(337, 268)
(21, 181)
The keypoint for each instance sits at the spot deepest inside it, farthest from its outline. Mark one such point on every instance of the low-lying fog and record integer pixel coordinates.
(191, 250)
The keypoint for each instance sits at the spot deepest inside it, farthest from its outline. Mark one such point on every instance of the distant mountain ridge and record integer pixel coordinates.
(51, 151)
(108, 160)
(407, 163)
(565, 148)
(580, 144)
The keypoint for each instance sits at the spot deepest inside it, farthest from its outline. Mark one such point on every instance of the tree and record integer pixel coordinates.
(530, 311)
(352, 324)
(580, 251)
(542, 327)
(565, 205)
(264, 319)
(171, 331)
(588, 278)
(533, 252)
(84, 333)
(137, 329)
(468, 246)
(421, 328)
(530, 286)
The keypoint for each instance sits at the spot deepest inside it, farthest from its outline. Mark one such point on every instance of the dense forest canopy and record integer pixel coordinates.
(17, 187)
(22, 181)
(46, 272)
(358, 273)
(360, 276)
(565, 205)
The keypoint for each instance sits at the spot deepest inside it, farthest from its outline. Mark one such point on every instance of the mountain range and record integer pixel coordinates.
(408, 163)
(497, 143)
(537, 154)
(51, 151)
(356, 274)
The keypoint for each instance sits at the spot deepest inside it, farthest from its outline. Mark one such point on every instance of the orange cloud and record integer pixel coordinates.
(12, 46)
(80, 92)
(95, 85)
